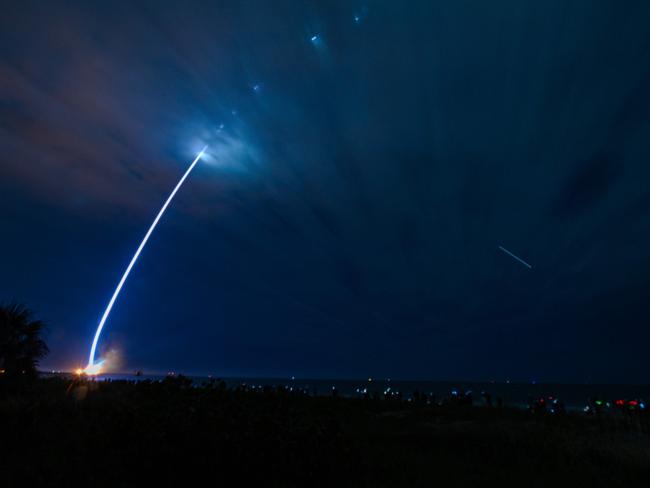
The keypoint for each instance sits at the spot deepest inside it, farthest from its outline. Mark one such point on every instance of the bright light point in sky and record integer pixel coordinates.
(317, 41)
(257, 87)
(357, 19)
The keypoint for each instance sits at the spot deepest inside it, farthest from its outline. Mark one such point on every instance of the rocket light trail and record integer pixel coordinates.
(94, 368)
(516, 257)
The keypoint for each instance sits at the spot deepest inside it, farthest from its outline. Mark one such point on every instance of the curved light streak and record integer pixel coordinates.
(94, 368)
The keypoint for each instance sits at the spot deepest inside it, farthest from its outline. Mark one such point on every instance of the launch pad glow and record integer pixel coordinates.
(93, 367)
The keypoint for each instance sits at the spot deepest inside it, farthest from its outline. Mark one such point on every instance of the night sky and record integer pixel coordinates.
(367, 160)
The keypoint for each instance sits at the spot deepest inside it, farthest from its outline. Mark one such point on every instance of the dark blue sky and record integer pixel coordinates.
(347, 221)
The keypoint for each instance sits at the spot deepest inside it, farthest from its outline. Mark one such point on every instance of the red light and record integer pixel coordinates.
(619, 402)
(633, 403)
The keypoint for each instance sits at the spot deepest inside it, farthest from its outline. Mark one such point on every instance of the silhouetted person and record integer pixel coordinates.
(487, 397)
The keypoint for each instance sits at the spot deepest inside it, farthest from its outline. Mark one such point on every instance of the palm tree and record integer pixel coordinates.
(21, 346)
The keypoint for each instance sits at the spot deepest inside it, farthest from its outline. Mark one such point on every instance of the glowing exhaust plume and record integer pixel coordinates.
(94, 368)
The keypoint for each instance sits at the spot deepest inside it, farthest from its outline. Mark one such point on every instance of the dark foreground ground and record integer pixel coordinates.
(57, 432)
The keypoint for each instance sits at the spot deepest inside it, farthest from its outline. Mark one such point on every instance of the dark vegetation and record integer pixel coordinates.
(79, 432)
(58, 432)
(21, 345)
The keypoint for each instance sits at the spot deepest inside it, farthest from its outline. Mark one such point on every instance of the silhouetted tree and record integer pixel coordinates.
(21, 345)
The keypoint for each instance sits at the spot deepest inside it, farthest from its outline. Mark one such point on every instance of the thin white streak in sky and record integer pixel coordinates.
(517, 258)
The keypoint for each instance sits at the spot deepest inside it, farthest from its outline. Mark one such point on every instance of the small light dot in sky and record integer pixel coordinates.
(257, 87)
(314, 38)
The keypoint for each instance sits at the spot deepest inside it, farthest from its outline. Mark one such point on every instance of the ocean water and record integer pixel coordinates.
(574, 396)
